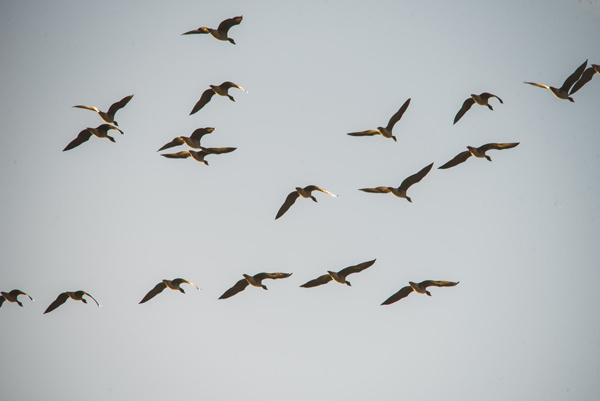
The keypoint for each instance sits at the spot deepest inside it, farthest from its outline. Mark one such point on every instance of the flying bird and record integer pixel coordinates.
(421, 288)
(172, 284)
(221, 90)
(11, 296)
(109, 116)
(198, 156)
(563, 91)
(100, 131)
(303, 192)
(255, 281)
(62, 298)
(339, 277)
(221, 32)
(585, 77)
(386, 132)
(482, 100)
(193, 141)
(477, 152)
(400, 192)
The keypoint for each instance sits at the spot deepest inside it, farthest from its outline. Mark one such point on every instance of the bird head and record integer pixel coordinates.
(427, 292)
(83, 300)
(570, 99)
(231, 40)
(111, 138)
(394, 138)
(408, 199)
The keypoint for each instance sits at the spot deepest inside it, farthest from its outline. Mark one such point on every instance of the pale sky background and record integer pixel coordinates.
(521, 234)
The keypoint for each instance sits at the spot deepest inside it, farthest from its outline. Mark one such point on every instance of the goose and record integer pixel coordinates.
(221, 32)
(385, 132)
(303, 192)
(172, 284)
(100, 131)
(339, 277)
(11, 296)
(198, 156)
(421, 288)
(193, 141)
(62, 298)
(109, 116)
(477, 152)
(400, 192)
(481, 99)
(563, 91)
(255, 281)
(221, 90)
(585, 77)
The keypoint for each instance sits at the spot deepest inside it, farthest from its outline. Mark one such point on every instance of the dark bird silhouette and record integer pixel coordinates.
(585, 77)
(339, 277)
(221, 32)
(417, 287)
(400, 192)
(172, 284)
(385, 132)
(482, 100)
(477, 152)
(62, 298)
(221, 90)
(255, 281)
(11, 296)
(193, 141)
(563, 91)
(100, 131)
(200, 155)
(109, 116)
(303, 192)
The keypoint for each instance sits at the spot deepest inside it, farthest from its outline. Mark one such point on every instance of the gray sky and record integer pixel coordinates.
(521, 234)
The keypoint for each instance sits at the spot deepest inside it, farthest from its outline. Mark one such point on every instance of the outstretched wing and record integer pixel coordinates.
(228, 84)
(486, 96)
(538, 85)
(413, 179)
(228, 23)
(15, 293)
(403, 293)
(179, 155)
(238, 287)
(88, 108)
(324, 279)
(289, 201)
(158, 288)
(89, 295)
(205, 98)
(585, 78)
(202, 29)
(81, 138)
(179, 281)
(573, 77)
(200, 132)
(465, 107)
(429, 283)
(497, 146)
(396, 117)
(459, 158)
(218, 151)
(378, 190)
(273, 276)
(117, 105)
(175, 142)
(364, 133)
(355, 269)
(61, 299)
(311, 188)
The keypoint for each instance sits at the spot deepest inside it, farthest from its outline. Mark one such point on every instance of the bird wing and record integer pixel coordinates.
(538, 85)
(16, 293)
(369, 132)
(218, 151)
(486, 96)
(429, 283)
(311, 188)
(413, 179)
(289, 201)
(61, 299)
(175, 142)
(88, 108)
(179, 155)
(117, 105)
(179, 281)
(200, 132)
(459, 158)
(274, 276)
(585, 78)
(238, 287)
(228, 84)
(497, 146)
(356, 268)
(202, 29)
(403, 293)
(205, 98)
(228, 23)
(158, 288)
(465, 107)
(573, 77)
(378, 190)
(324, 279)
(81, 138)
(89, 295)
(2, 299)
(396, 117)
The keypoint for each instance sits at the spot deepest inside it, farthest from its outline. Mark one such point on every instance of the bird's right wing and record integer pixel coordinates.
(238, 287)
(117, 105)
(205, 98)
(459, 158)
(429, 283)
(158, 288)
(364, 133)
(200, 132)
(465, 107)
(289, 201)
(403, 293)
(61, 299)
(574, 77)
(81, 138)
(228, 23)
(378, 190)
(324, 279)
(585, 78)
(175, 142)
(497, 146)
(179, 155)
(396, 117)
(413, 179)
(356, 268)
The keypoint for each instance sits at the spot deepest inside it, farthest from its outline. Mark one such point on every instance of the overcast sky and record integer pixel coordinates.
(521, 234)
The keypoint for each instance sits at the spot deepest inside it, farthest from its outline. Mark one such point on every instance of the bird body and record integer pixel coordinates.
(300, 192)
(563, 91)
(193, 141)
(400, 192)
(386, 131)
(100, 131)
(420, 288)
(62, 298)
(481, 99)
(199, 155)
(172, 284)
(479, 152)
(255, 281)
(221, 90)
(11, 296)
(221, 33)
(109, 116)
(338, 277)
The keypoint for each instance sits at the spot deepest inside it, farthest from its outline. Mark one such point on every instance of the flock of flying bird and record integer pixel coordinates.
(572, 84)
